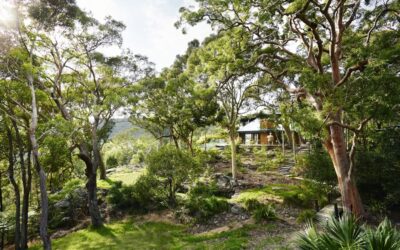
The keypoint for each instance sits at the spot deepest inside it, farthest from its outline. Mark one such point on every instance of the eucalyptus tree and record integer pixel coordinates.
(317, 51)
(173, 104)
(89, 87)
(22, 66)
(226, 64)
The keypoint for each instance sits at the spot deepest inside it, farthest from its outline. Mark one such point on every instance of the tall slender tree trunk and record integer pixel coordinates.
(17, 202)
(336, 148)
(233, 155)
(102, 167)
(44, 203)
(288, 134)
(26, 186)
(91, 186)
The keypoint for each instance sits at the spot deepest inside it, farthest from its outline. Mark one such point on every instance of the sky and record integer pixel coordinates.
(150, 27)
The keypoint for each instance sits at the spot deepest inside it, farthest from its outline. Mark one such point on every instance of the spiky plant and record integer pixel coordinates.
(384, 237)
(343, 233)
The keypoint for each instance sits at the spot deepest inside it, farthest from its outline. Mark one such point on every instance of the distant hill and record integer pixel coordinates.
(124, 125)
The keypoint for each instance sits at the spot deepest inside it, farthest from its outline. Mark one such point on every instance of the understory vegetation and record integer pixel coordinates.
(285, 115)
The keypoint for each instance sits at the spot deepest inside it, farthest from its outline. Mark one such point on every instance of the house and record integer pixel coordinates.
(260, 131)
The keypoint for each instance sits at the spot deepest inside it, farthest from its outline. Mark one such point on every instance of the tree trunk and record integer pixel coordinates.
(91, 186)
(17, 202)
(44, 204)
(26, 186)
(102, 168)
(336, 148)
(288, 134)
(233, 156)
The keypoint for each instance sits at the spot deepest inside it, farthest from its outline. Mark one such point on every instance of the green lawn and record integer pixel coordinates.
(149, 235)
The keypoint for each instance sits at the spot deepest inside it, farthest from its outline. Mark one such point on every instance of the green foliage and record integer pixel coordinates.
(252, 204)
(128, 147)
(384, 237)
(306, 194)
(146, 194)
(203, 201)
(112, 162)
(344, 233)
(67, 189)
(316, 166)
(204, 189)
(306, 215)
(174, 166)
(261, 212)
(264, 212)
(294, 6)
(348, 233)
(149, 235)
(378, 169)
(204, 207)
(268, 163)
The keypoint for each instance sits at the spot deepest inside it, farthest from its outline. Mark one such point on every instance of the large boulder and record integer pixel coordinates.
(224, 185)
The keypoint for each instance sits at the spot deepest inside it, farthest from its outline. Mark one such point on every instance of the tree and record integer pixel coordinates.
(174, 105)
(174, 165)
(225, 63)
(88, 88)
(316, 51)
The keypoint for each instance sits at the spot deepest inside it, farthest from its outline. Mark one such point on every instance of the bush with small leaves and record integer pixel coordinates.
(306, 216)
(173, 165)
(146, 194)
(205, 207)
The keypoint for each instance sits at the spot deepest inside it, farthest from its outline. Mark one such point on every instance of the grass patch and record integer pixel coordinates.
(126, 176)
(273, 192)
(149, 235)
(303, 195)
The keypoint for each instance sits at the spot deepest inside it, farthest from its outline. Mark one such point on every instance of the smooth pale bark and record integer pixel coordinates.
(17, 201)
(44, 203)
(233, 156)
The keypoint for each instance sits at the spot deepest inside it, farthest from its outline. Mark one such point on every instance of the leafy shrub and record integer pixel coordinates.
(316, 166)
(205, 207)
(306, 195)
(252, 204)
(377, 178)
(260, 154)
(204, 189)
(306, 216)
(174, 166)
(209, 156)
(271, 163)
(69, 186)
(146, 194)
(264, 212)
(259, 210)
(111, 162)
